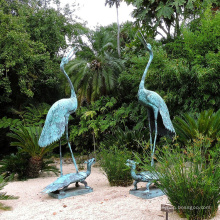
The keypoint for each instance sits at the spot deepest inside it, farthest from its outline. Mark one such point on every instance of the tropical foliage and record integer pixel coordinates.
(206, 123)
(15, 164)
(96, 68)
(159, 17)
(30, 38)
(112, 161)
(189, 178)
(27, 139)
(117, 4)
(3, 195)
(109, 120)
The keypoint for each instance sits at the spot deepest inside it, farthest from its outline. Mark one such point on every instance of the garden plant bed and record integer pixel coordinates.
(104, 202)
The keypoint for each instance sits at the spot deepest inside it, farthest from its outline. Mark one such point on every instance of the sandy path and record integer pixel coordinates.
(104, 202)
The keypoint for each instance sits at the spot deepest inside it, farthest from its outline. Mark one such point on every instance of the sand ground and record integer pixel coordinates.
(104, 202)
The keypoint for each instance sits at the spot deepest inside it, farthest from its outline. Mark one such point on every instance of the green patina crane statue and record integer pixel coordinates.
(158, 114)
(57, 117)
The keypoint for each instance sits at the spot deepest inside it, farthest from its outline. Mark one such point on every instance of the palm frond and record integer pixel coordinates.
(96, 65)
(207, 123)
(27, 138)
(4, 196)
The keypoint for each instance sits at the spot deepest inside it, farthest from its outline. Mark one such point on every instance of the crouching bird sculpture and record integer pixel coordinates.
(158, 114)
(64, 181)
(57, 117)
(146, 176)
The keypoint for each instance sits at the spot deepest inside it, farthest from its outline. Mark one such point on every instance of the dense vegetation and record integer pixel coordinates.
(109, 119)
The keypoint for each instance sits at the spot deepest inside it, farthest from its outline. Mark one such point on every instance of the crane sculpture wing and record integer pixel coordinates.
(56, 120)
(164, 124)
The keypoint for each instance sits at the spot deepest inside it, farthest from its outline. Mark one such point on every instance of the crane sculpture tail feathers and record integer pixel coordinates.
(164, 127)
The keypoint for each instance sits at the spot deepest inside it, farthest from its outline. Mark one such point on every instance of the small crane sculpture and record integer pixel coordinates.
(57, 117)
(62, 183)
(145, 176)
(158, 114)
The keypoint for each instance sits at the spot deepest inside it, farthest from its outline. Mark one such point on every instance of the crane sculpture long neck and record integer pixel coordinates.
(141, 86)
(73, 94)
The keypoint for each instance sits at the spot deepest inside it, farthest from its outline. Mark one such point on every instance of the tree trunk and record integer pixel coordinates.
(34, 167)
(94, 144)
(177, 31)
(118, 37)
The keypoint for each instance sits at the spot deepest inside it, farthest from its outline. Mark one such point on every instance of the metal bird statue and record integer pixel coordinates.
(158, 114)
(64, 181)
(57, 117)
(145, 176)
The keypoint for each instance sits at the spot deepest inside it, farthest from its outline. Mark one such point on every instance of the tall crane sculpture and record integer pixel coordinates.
(158, 114)
(57, 117)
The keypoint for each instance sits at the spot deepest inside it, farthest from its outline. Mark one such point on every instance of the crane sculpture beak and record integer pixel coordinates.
(146, 45)
(71, 53)
(143, 38)
(66, 59)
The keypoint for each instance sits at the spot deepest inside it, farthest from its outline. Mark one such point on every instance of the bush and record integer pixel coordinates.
(206, 123)
(27, 139)
(3, 196)
(190, 178)
(17, 164)
(112, 161)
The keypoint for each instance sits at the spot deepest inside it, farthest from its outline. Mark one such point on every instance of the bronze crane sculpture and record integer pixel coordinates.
(158, 114)
(57, 117)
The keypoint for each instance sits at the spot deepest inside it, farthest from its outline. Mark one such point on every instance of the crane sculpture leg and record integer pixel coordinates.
(67, 138)
(61, 167)
(155, 136)
(153, 145)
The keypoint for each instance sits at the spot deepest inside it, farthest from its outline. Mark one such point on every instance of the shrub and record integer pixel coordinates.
(14, 164)
(190, 178)
(206, 123)
(27, 139)
(112, 161)
(17, 164)
(125, 137)
(3, 196)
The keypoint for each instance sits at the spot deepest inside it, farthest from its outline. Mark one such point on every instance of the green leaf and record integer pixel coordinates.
(89, 114)
(164, 11)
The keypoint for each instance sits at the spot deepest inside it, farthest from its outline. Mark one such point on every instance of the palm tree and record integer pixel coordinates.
(96, 67)
(206, 123)
(117, 4)
(27, 138)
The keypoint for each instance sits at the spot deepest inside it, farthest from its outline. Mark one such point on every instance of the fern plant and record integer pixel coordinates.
(189, 127)
(3, 195)
(9, 122)
(33, 115)
(125, 137)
